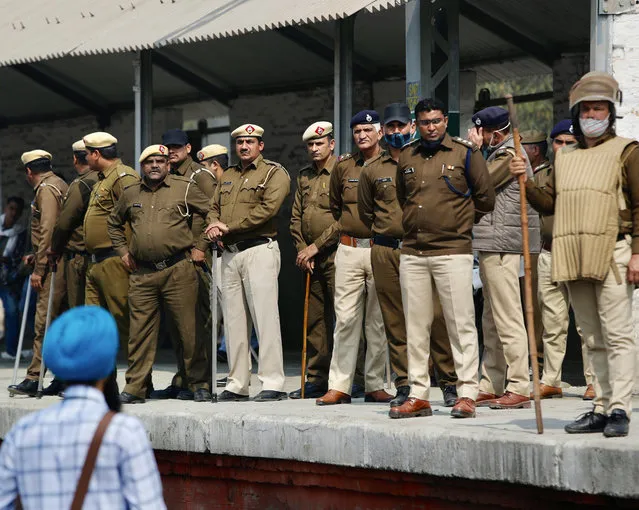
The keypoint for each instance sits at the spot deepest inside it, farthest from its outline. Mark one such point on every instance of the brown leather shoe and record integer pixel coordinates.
(484, 399)
(546, 391)
(464, 408)
(333, 397)
(511, 401)
(378, 396)
(590, 393)
(412, 408)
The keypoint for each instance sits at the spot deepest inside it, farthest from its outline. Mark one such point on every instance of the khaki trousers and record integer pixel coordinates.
(250, 290)
(555, 306)
(150, 292)
(539, 325)
(108, 286)
(505, 337)
(76, 273)
(356, 306)
(201, 366)
(33, 372)
(603, 310)
(452, 276)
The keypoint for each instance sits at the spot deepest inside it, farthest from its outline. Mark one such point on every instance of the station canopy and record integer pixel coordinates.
(73, 57)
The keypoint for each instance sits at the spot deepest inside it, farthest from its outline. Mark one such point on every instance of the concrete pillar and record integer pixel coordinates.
(343, 106)
(143, 94)
(418, 42)
(467, 94)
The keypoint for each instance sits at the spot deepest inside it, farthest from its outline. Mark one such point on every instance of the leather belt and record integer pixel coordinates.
(389, 242)
(71, 254)
(356, 242)
(248, 243)
(100, 255)
(162, 264)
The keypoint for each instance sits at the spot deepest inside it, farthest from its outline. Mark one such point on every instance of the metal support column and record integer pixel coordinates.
(432, 54)
(343, 100)
(600, 37)
(143, 94)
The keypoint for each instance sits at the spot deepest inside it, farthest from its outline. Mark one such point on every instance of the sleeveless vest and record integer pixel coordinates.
(588, 198)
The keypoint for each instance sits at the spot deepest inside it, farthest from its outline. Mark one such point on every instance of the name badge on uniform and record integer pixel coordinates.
(226, 183)
(136, 205)
(353, 180)
(410, 170)
(384, 179)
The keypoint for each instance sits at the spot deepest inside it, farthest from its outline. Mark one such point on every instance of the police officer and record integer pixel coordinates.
(552, 296)
(355, 295)
(504, 380)
(107, 277)
(181, 163)
(243, 216)
(442, 185)
(68, 236)
(163, 275)
(49, 191)
(594, 194)
(315, 233)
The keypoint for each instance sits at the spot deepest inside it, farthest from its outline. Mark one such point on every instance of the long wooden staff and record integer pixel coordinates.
(530, 322)
(306, 296)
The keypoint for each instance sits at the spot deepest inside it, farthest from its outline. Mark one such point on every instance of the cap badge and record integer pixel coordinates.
(478, 122)
(368, 117)
(319, 130)
(161, 149)
(571, 130)
(250, 129)
(200, 155)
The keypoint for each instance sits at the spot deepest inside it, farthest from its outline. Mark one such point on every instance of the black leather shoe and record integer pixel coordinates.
(270, 396)
(202, 395)
(587, 424)
(128, 398)
(401, 397)
(450, 395)
(311, 390)
(618, 424)
(229, 396)
(185, 395)
(166, 393)
(26, 387)
(357, 391)
(54, 389)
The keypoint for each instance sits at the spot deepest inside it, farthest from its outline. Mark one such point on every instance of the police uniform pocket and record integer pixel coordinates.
(225, 192)
(249, 193)
(350, 192)
(385, 189)
(169, 214)
(455, 178)
(324, 199)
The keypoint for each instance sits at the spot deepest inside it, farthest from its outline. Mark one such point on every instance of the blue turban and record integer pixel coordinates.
(82, 344)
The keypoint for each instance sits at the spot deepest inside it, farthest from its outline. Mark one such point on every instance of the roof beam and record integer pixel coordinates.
(193, 76)
(506, 32)
(323, 48)
(68, 89)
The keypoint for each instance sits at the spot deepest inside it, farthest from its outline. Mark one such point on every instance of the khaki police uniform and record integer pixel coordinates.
(247, 201)
(68, 236)
(554, 300)
(107, 278)
(206, 181)
(355, 294)
(161, 241)
(45, 209)
(312, 223)
(603, 308)
(378, 208)
(440, 199)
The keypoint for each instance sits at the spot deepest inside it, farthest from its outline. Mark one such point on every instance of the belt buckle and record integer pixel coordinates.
(94, 259)
(160, 265)
(362, 243)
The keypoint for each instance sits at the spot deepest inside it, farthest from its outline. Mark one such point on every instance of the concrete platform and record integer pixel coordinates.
(498, 446)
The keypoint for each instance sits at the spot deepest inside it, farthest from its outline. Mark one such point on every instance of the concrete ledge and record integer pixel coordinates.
(496, 446)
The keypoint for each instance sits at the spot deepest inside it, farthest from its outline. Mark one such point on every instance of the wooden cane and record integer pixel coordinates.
(308, 290)
(528, 298)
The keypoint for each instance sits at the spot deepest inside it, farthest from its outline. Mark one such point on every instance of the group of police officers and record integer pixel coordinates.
(386, 237)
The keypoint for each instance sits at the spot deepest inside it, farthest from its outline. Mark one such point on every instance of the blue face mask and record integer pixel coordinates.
(397, 140)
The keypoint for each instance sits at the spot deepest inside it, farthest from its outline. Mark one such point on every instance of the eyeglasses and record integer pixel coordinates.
(428, 122)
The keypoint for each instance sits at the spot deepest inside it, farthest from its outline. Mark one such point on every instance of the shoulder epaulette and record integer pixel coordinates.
(131, 185)
(344, 157)
(466, 143)
(182, 178)
(205, 170)
(412, 143)
(306, 169)
(505, 150)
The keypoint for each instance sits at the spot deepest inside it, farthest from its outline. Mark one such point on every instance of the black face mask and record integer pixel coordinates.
(431, 146)
(112, 393)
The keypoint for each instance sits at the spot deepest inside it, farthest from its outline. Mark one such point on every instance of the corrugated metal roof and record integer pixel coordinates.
(38, 30)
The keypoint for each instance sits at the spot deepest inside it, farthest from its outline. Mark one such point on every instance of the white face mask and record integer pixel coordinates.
(593, 128)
